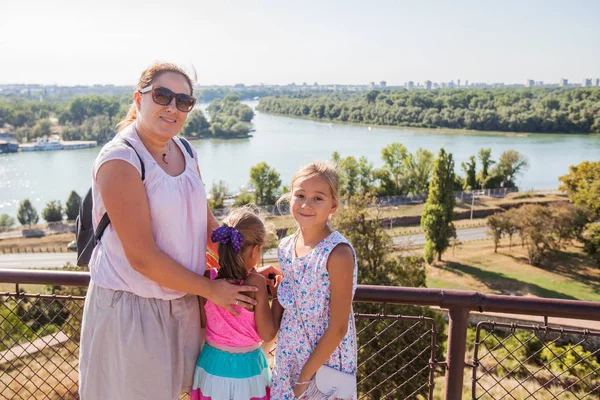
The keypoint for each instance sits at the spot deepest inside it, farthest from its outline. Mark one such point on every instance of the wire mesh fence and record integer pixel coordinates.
(518, 362)
(39, 346)
(39, 350)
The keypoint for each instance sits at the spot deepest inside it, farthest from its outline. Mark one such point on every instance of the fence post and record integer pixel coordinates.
(455, 360)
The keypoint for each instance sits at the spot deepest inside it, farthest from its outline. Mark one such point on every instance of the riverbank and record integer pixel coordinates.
(424, 130)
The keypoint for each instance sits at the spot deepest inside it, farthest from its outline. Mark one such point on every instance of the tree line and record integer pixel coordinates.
(229, 118)
(53, 212)
(549, 110)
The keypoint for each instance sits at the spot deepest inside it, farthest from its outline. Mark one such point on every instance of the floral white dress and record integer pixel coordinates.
(306, 278)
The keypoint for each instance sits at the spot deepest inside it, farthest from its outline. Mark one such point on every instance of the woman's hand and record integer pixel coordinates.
(225, 294)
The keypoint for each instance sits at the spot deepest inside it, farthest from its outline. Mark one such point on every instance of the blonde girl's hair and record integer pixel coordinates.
(323, 169)
(148, 76)
(254, 233)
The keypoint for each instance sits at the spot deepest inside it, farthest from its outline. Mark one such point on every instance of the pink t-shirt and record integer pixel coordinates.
(224, 328)
(178, 213)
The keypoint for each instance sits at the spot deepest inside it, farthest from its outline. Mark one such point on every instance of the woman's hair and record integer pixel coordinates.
(149, 75)
(253, 231)
(323, 169)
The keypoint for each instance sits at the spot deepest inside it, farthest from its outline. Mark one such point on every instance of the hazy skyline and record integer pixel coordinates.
(69, 42)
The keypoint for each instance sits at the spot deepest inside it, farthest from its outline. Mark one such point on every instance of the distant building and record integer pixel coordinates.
(428, 85)
(383, 84)
(597, 82)
(467, 83)
(371, 85)
(239, 86)
(587, 83)
(458, 83)
(529, 83)
(564, 82)
(410, 85)
(539, 83)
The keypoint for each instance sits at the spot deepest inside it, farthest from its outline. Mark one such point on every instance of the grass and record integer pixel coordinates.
(566, 274)
(58, 241)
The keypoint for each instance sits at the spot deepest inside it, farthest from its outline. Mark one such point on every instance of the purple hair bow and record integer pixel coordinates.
(227, 234)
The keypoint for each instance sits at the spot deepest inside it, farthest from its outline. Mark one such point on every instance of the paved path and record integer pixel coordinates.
(31, 348)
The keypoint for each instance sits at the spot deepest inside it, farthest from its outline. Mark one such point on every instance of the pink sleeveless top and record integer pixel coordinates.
(177, 211)
(224, 328)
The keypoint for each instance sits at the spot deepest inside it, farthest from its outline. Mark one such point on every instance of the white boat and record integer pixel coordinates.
(45, 144)
(42, 144)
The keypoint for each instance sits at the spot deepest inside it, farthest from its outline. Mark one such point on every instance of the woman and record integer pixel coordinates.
(140, 334)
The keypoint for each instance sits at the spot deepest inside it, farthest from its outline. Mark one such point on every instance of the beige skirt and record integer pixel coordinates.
(137, 348)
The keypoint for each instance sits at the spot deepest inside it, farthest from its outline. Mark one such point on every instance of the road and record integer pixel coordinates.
(37, 260)
(464, 235)
(58, 260)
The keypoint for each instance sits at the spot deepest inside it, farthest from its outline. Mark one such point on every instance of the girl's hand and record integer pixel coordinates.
(273, 280)
(300, 389)
(224, 294)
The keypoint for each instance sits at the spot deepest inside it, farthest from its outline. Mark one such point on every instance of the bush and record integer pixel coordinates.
(27, 215)
(72, 206)
(591, 237)
(53, 211)
(244, 199)
(6, 221)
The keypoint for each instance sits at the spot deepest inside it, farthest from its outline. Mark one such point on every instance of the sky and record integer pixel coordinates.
(82, 42)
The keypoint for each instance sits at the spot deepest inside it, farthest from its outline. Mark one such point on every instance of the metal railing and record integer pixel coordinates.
(401, 348)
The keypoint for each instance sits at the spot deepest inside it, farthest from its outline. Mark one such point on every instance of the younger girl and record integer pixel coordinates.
(232, 364)
(313, 304)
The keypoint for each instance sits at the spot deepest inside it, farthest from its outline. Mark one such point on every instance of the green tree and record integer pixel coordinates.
(371, 96)
(582, 185)
(6, 221)
(418, 171)
(218, 193)
(537, 232)
(72, 206)
(591, 237)
(510, 225)
(27, 215)
(510, 164)
(394, 159)
(365, 174)
(495, 225)
(438, 212)
(485, 157)
(244, 199)
(53, 211)
(196, 125)
(349, 171)
(266, 182)
(42, 128)
(470, 170)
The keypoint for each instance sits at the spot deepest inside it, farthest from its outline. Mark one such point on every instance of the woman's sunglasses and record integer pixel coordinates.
(163, 97)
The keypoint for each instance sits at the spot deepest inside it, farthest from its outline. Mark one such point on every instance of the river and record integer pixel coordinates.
(287, 143)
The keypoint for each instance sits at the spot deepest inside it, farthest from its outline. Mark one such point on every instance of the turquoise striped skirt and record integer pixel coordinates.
(221, 375)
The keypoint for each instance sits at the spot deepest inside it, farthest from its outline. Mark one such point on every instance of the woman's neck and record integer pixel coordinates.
(314, 235)
(154, 144)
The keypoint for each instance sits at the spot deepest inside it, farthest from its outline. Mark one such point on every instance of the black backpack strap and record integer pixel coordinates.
(105, 221)
(187, 145)
(126, 143)
(101, 226)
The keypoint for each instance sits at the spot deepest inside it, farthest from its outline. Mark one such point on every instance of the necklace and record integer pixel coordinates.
(167, 150)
